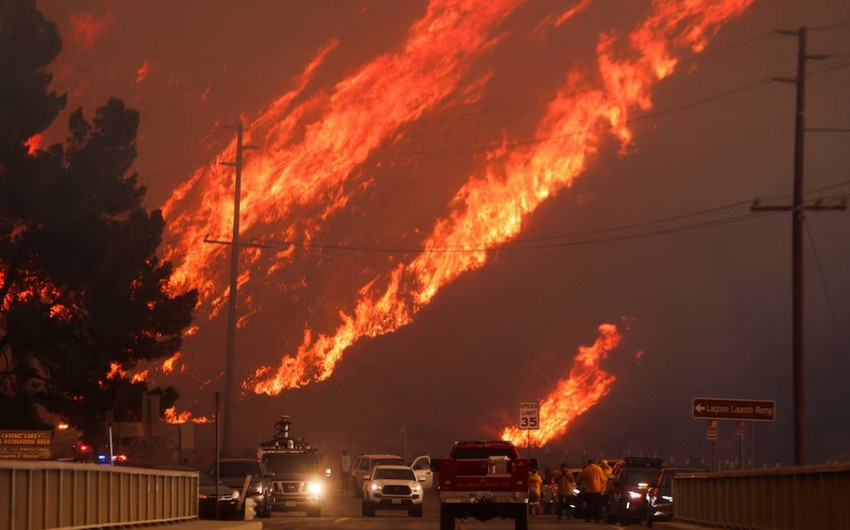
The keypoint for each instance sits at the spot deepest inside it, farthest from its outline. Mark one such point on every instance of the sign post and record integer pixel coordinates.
(529, 419)
(741, 410)
(711, 436)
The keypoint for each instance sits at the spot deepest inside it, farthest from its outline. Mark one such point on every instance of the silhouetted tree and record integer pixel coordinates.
(81, 287)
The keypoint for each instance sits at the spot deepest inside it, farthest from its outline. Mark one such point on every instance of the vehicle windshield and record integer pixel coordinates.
(394, 474)
(667, 481)
(633, 477)
(291, 463)
(387, 462)
(482, 453)
(238, 469)
(206, 480)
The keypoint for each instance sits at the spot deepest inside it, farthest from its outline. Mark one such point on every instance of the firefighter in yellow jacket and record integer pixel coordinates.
(592, 482)
(563, 479)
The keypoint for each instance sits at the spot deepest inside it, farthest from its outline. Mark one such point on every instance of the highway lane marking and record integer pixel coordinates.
(342, 520)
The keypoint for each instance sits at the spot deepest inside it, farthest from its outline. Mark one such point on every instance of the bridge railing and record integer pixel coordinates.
(789, 498)
(40, 495)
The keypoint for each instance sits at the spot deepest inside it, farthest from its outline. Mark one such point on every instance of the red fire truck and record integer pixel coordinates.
(483, 480)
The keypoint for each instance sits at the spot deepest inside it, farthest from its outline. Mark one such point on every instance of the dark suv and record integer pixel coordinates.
(297, 484)
(626, 495)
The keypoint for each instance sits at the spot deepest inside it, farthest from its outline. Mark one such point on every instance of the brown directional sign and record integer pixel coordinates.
(734, 409)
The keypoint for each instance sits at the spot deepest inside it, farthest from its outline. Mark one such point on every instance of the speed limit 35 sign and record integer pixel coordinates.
(529, 415)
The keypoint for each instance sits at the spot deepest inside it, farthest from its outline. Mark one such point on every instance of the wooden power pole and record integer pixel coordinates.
(797, 209)
(236, 245)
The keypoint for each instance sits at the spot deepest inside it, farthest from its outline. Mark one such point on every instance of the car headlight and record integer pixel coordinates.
(635, 494)
(375, 486)
(417, 488)
(668, 498)
(314, 488)
(235, 494)
(576, 491)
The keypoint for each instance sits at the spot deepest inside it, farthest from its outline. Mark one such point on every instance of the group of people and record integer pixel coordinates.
(591, 481)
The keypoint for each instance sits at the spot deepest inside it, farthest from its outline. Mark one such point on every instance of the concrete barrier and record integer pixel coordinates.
(787, 498)
(36, 495)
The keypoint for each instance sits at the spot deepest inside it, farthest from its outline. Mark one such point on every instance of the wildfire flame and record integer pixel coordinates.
(490, 209)
(305, 168)
(586, 385)
(292, 167)
(172, 416)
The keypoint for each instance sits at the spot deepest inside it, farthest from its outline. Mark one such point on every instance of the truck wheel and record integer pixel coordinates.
(415, 511)
(447, 518)
(367, 510)
(521, 517)
(314, 512)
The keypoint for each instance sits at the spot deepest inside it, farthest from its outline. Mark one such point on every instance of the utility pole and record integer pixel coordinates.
(797, 209)
(235, 246)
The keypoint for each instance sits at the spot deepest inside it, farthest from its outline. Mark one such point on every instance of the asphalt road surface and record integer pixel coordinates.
(343, 513)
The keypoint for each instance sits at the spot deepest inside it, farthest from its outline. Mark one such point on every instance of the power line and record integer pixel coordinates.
(524, 143)
(822, 276)
(830, 27)
(528, 243)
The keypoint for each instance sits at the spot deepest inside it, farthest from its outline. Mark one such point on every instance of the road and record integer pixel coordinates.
(343, 513)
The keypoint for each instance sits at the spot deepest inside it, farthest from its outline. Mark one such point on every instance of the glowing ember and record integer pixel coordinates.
(143, 71)
(33, 144)
(490, 209)
(574, 395)
(115, 371)
(168, 364)
(139, 377)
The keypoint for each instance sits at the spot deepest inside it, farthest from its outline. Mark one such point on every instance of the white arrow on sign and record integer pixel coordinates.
(699, 408)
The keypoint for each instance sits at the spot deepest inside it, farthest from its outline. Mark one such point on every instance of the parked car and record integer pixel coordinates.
(660, 495)
(233, 471)
(362, 466)
(228, 499)
(392, 487)
(626, 494)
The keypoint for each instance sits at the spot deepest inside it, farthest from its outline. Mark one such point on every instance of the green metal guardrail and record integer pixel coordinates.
(36, 495)
(787, 498)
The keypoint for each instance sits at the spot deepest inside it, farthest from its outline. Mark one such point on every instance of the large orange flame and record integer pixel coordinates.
(307, 153)
(574, 395)
(490, 209)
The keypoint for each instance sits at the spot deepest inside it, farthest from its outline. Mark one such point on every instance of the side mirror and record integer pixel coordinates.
(421, 479)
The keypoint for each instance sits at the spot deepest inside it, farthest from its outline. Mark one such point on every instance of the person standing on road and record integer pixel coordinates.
(606, 468)
(592, 481)
(534, 483)
(563, 480)
(345, 470)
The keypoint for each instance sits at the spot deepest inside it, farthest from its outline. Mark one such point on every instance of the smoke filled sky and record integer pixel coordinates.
(453, 201)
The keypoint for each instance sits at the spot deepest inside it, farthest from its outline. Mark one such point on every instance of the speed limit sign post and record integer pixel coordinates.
(529, 415)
